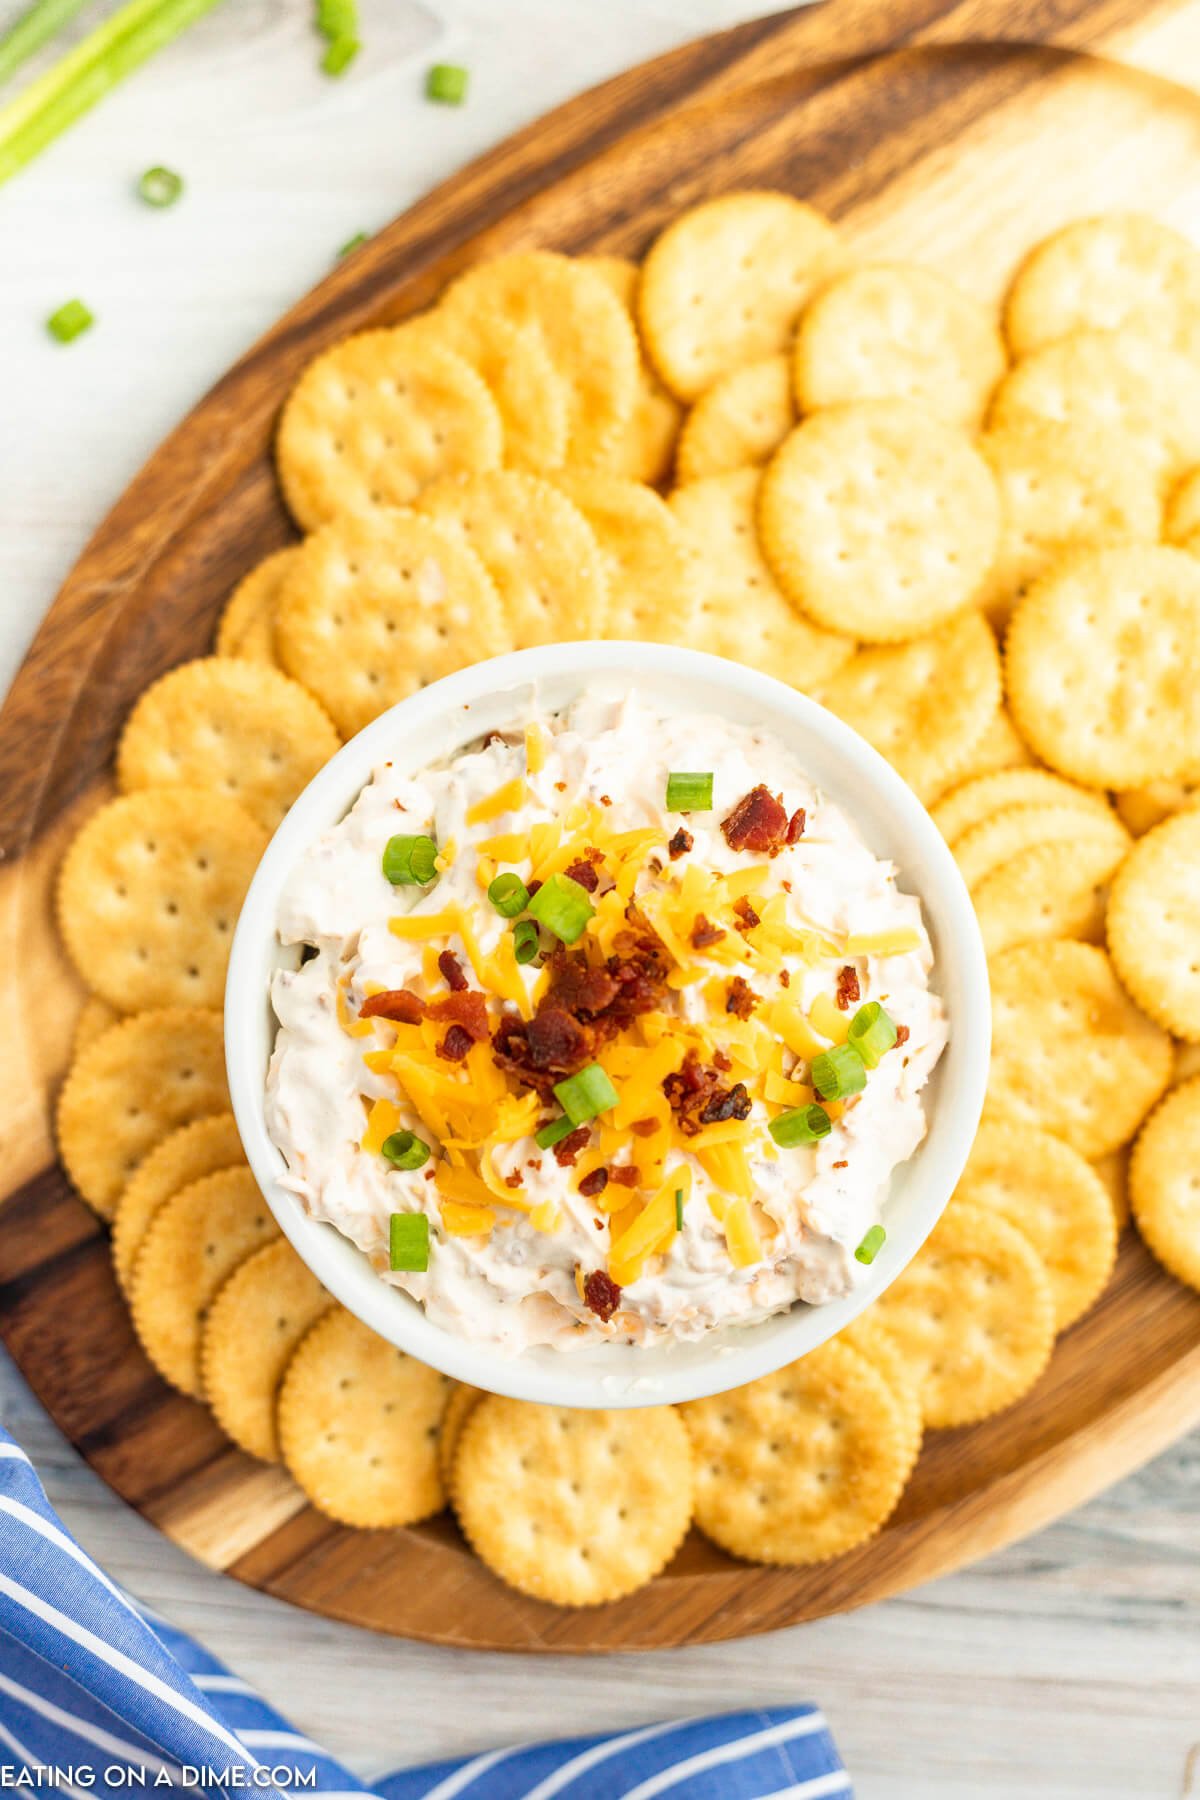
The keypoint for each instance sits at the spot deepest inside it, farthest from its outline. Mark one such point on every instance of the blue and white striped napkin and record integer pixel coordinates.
(114, 1700)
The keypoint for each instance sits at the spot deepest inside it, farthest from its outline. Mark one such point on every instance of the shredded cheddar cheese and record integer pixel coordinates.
(504, 799)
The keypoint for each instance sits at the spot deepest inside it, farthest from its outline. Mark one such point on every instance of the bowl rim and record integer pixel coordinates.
(666, 1373)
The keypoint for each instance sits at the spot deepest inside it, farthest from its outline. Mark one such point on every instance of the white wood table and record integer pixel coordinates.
(1067, 1667)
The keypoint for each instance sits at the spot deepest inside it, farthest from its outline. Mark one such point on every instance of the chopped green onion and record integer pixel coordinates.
(447, 83)
(160, 187)
(405, 1150)
(838, 1071)
(525, 941)
(409, 861)
(351, 244)
(340, 54)
(563, 907)
(871, 1245)
(409, 1242)
(679, 1209)
(871, 1033)
(337, 21)
(509, 895)
(553, 1133)
(584, 1095)
(800, 1125)
(689, 793)
(70, 320)
(33, 29)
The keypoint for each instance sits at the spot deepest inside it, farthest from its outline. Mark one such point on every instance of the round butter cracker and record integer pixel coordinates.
(878, 520)
(983, 796)
(643, 551)
(247, 732)
(1164, 1183)
(1154, 924)
(1000, 747)
(197, 1149)
(251, 1332)
(149, 893)
(574, 1507)
(1118, 270)
(1054, 890)
(94, 1019)
(895, 331)
(645, 450)
(1142, 808)
(986, 847)
(530, 395)
(1071, 1054)
(725, 283)
(739, 422)
(247, 627)
(459, 1407)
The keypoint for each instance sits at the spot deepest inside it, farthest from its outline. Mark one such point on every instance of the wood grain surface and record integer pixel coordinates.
(954, 134)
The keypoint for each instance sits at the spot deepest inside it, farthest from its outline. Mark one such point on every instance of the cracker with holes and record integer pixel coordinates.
(1142, 808)
(459, 1407)
(737, 609)
(530, 394)
(1051, 890)
(538, 548)
(247, 627)
(1112, 1171)
(925, 704)
(983, 796)
(869, 1337)
(1116, 385)
(1122, 269)
(1100, 664)
(1000, 748)
(878, 520)
(358, 1425)
(245, 731)
(1053, 1197)
(195, 1242)
(197, 1149)
(983, 849)
(371, 421)
(725, 283)
(377, 607)
(1071, 1053)
(739, 422)
(643, 551)
(898, 332)
(574, 1507)
(1062, 489)
(94, 1019)
(131, 1087)
(586, 332)
(251, 1331)
(1164, 1182)
(973, 1315)
(149, 892)
(1154, 924)
(802, 1464)
(645, 448)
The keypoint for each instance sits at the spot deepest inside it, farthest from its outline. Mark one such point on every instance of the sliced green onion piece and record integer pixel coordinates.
(509, 895)
(871, 1033)
(160, 187)
(340, 54)
(553, 1133)
(33, 29)
(584, 1095)
(871, 1245)
(409, 861)
(408, 1235)
(70, 320)
(405, 1150)
(679, 1209)
(352, 244)
(689, 793)
(447, 83)
(800, 1125)
(525, 941)
(563, 907)
(838, 1071)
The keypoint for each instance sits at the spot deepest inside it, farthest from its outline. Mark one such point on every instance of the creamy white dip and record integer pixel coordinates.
(520, 1282)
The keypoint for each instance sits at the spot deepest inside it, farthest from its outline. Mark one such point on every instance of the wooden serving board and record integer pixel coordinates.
(949, 133)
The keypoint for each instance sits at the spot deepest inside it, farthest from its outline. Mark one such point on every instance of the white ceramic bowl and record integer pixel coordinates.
(434, 724)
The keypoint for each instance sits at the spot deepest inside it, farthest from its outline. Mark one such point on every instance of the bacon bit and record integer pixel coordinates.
(704, 932)
(532, 889)
(397, 1004)
(841, 1165)
(452, 972)
(785, 979)
(758, 822)
(585, 874)
(747, 917)
(698, 1098)
(431, 1174)
(467, 1009)
(601, 1295)
(455, 1044)
(741, 999)
(560, 787)
(604, 800)
(901, 1035)
(796, 824)
(594, 1184)
(515, 1179)
(722, 1062)
(570, 1147)
(644, 1127)
(680, 844)
(848, 990)
(626, 1175)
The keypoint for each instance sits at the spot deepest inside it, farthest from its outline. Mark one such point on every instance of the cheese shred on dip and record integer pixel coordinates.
(612, 1028)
